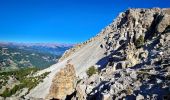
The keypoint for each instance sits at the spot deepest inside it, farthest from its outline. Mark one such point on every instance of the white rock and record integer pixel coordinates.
(105, 96)
(133, 75)
(160, 53)
(1, 98)
(158, 80)
(140, 97)
(89, 89)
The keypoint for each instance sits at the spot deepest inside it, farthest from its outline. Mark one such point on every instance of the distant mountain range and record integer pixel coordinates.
(24, 55)
(36, 44)
(53, 48)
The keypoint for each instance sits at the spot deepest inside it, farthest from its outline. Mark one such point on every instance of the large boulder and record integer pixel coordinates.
(63, 83)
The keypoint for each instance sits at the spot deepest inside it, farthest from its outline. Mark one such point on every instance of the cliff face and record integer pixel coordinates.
(132, 54)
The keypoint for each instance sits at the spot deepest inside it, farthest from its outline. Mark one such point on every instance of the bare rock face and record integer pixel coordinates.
(165, 22)
(76, 48)
(63, 83)
(132, 71)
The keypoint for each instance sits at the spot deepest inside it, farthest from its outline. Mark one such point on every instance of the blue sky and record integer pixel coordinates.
(62, 21)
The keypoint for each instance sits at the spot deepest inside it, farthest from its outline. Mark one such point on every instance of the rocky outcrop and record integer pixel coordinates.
(133, 72)
(63, 83)
(131, 67)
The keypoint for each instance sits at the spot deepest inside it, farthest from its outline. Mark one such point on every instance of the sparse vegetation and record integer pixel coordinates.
(129, 90)
(139, 42)
(25, 77)
(15, 58)
(9, 92)
(92, 70)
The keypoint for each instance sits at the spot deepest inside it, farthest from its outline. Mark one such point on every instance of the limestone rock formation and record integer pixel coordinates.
(132, 54)
(63, 83)
(133, 72)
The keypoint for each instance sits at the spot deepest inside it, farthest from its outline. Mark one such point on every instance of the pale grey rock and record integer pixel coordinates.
(163, 23)
(139, 97)
(158, 80)
(1, 98)
(133, 75)
(12, 98)
(148, 97)
(89, 89)
(106, 96)
(121, 96)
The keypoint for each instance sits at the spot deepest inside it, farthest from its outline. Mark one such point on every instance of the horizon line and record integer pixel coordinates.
(17, 42)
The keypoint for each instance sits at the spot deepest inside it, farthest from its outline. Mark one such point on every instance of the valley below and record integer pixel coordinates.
(19, 64)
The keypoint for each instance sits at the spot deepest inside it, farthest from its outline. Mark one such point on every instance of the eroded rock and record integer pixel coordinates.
(63, 83)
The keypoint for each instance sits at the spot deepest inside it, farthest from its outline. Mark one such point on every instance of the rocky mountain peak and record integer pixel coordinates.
(131, 54)
(138, 39)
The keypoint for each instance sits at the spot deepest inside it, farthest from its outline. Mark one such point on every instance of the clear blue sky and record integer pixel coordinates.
(62, 21)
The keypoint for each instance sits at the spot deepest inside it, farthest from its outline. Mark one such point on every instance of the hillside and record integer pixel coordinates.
(15, 56)
(129, 59)
(20, 62)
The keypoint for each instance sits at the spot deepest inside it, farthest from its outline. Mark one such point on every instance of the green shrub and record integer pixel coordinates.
(92, 70)
(44, 75)
(139, 42)
(6, 93)
(10, 92)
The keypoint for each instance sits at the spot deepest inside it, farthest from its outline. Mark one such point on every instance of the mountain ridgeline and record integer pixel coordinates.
(129, 59)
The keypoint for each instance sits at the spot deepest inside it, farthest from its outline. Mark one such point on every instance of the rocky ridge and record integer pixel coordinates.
(133, 71)
(132, 54)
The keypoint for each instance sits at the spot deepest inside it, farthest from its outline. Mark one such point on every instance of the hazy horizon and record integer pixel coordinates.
(17, 42)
